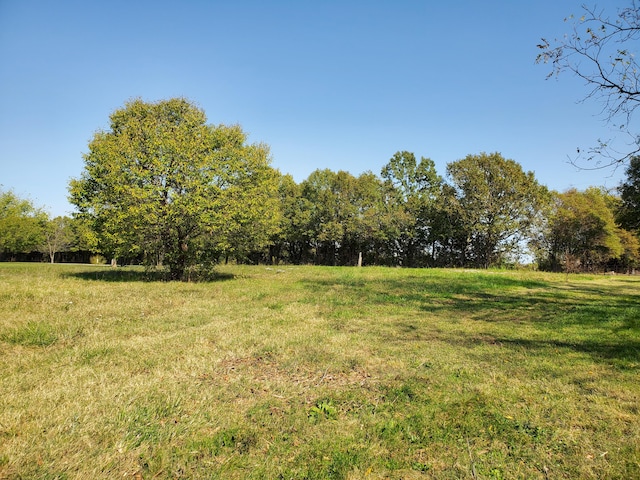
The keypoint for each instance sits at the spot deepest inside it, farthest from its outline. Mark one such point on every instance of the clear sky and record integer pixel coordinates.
(327, 84)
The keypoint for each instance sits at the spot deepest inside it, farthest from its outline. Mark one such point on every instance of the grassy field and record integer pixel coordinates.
(312, 372)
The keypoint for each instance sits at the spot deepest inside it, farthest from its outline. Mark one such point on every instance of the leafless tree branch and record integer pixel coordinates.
(601, 51)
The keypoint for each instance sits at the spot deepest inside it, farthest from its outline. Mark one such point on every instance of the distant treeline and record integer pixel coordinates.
(487, 213)
(163, 188)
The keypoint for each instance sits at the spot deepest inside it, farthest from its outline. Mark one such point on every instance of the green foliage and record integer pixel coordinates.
(414, 188)
(628, 213)
(347, 215)
(629, 259)
(22, 225)
(323, 409)
(582, 233)
(59, 235)
(329, 194)
(84, 236)
(164, 185)
(498, 206)
(296, 227)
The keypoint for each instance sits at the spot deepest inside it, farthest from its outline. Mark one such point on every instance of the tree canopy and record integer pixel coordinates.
(163, 184)
(582, 232)
(414, 187)
(21, 224)
(163, 187)
(497, 205)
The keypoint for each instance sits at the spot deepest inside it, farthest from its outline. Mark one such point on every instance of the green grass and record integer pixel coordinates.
(312, 372)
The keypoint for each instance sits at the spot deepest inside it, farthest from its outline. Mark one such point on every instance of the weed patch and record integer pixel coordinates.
(31, 334)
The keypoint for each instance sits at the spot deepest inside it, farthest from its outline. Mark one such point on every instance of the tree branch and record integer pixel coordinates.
(610, 70)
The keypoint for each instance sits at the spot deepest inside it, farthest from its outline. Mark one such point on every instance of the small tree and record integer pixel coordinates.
(58, 236)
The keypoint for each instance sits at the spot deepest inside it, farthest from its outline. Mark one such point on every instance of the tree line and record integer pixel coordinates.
(29, 233)
(487, 212)
(164, 188)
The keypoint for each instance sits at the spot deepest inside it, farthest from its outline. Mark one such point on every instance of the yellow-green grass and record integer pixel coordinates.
(312, 372)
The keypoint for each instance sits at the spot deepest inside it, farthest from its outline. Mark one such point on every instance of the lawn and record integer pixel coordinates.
(313, 372)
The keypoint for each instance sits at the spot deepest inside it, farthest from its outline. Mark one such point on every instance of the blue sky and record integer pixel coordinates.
(327, 84)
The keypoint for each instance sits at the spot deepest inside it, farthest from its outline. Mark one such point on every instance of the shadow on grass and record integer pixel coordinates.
(591, 319)
(127, 274)
(428, 293)
(553, 308)
(626, 351)
(511, 300)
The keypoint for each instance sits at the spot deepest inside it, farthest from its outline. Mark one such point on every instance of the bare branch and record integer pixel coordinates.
(598, 51)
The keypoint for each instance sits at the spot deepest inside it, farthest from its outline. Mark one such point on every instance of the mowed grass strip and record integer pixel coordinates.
(314, 372)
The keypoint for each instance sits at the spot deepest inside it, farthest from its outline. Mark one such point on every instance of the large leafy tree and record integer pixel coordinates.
(415, 186)
(582, 233)
(331, 195)
(163, 184)
(292, 241)
(347, 216)
(375, 226)
(22, 225)
(601, 50)
(498, 206)
(449, 234)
